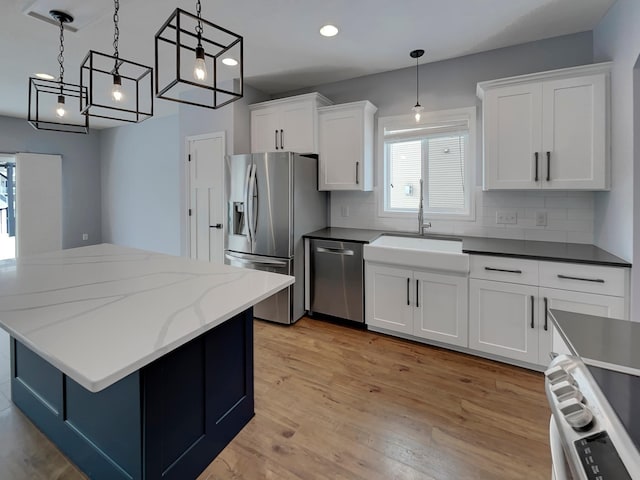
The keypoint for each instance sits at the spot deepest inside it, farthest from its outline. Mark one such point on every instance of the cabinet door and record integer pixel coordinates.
(574, 133)
(389, 298)
(579, 302)
(512, 137)
(298, 127)
(265, 131)
(441, 308)
(502, 319)
(341, 150)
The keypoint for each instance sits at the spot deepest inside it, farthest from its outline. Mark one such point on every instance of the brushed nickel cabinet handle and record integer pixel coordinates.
(276, 140)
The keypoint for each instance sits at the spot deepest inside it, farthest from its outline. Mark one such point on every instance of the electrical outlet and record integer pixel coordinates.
(506, 216)
(541, 219)
(85, 236)
(345, 211)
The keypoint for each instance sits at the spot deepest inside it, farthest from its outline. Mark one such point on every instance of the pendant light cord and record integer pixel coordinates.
(417, 102)
(61, 54)
(116, 34)
(199, 29)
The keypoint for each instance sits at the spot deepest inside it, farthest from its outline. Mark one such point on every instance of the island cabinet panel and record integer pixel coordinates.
(168, 420)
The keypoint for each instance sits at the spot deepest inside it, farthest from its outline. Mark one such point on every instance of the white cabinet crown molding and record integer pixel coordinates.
(583, 70)
(366, 105)
(318, 97)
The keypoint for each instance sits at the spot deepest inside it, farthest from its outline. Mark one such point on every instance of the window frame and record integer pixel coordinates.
(467, 114)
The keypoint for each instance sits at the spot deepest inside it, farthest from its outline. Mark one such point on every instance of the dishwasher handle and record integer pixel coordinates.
(335, 251)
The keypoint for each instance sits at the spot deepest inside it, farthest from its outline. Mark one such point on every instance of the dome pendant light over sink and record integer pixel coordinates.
(417, 108)
(49, 100)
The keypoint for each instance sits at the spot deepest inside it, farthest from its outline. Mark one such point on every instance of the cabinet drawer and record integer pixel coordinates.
(584, 278)
(503, 269)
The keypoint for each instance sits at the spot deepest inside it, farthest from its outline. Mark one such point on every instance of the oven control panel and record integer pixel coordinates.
(600, 459)
(596, 445)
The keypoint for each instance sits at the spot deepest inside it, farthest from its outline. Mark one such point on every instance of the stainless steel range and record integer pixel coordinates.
(595, 424)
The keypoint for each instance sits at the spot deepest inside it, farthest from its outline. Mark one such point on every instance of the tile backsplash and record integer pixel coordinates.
(569, 215)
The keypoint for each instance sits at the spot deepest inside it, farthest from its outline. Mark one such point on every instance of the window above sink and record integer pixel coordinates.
(439, 149)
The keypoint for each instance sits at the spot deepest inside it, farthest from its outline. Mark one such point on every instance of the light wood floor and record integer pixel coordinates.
(343, 404)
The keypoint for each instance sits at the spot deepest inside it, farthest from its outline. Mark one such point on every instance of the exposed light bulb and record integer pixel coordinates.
(60, 110)
(200, 67)
(417, 109)
(116, 90)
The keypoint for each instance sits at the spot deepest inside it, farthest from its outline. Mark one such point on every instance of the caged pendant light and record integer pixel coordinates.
(197, 62)
(49, 106)
(117, 89)
(417, 108)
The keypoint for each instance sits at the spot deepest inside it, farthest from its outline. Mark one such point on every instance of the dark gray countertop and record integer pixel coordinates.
(551, 251)
(601, 341)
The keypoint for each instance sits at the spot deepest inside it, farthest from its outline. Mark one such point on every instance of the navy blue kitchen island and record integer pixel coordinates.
(123, 414)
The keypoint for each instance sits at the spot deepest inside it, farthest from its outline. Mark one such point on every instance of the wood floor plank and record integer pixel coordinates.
(359, 405)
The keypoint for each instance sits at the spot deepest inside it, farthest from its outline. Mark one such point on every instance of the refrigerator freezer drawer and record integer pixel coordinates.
(337, 279)
(278, 307)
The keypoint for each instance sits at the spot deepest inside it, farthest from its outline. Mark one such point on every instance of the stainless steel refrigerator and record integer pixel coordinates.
(272, 200)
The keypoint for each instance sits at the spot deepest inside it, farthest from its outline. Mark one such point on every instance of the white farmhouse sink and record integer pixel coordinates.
(418, 252)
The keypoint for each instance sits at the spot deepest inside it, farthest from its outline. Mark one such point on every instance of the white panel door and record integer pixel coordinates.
(298, 127)
(38, 203)
(574, 133)
(265, 130)
(579, 302)
(341, 150)
(206, 199)
(441, 308)
(512, 137)
(502, 319)
(389, 298)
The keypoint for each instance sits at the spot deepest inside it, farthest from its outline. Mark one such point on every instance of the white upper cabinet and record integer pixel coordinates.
(547, 130)
(346, 146)
(287, 124)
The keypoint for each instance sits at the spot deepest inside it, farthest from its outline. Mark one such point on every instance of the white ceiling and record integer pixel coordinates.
(283, 49)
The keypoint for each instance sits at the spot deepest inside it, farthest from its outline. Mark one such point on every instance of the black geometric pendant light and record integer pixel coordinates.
(50, 101)
(118, 89)
(197, 62)
(417, 108)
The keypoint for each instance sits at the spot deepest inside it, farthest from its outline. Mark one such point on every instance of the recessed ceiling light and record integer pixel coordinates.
(329, 31)
(45, 76)
(232, 62)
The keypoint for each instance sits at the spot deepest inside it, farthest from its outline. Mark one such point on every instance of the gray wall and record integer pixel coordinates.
(140, 168)
(617, 38)
(80, 174)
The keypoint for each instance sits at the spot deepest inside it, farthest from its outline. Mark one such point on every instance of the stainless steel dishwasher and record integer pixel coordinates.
(337, 279)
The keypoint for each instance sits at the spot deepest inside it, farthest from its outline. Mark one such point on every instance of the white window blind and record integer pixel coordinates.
(435, 152)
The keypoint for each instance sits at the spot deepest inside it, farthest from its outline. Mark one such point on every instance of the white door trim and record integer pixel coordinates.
(187, 177)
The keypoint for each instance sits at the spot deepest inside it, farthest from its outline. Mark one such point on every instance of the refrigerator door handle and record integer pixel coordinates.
(253, 195)
(275, 263)
(246, 203)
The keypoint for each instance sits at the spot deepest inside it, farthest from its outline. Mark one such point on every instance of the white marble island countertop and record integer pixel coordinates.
(101, 312)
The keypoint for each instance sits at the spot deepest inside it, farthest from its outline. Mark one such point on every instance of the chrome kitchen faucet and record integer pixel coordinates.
(421, 225)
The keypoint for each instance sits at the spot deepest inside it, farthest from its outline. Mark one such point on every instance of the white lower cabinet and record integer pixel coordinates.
(417, 303)
(579, 302)
(502, 319)
(509, 300)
